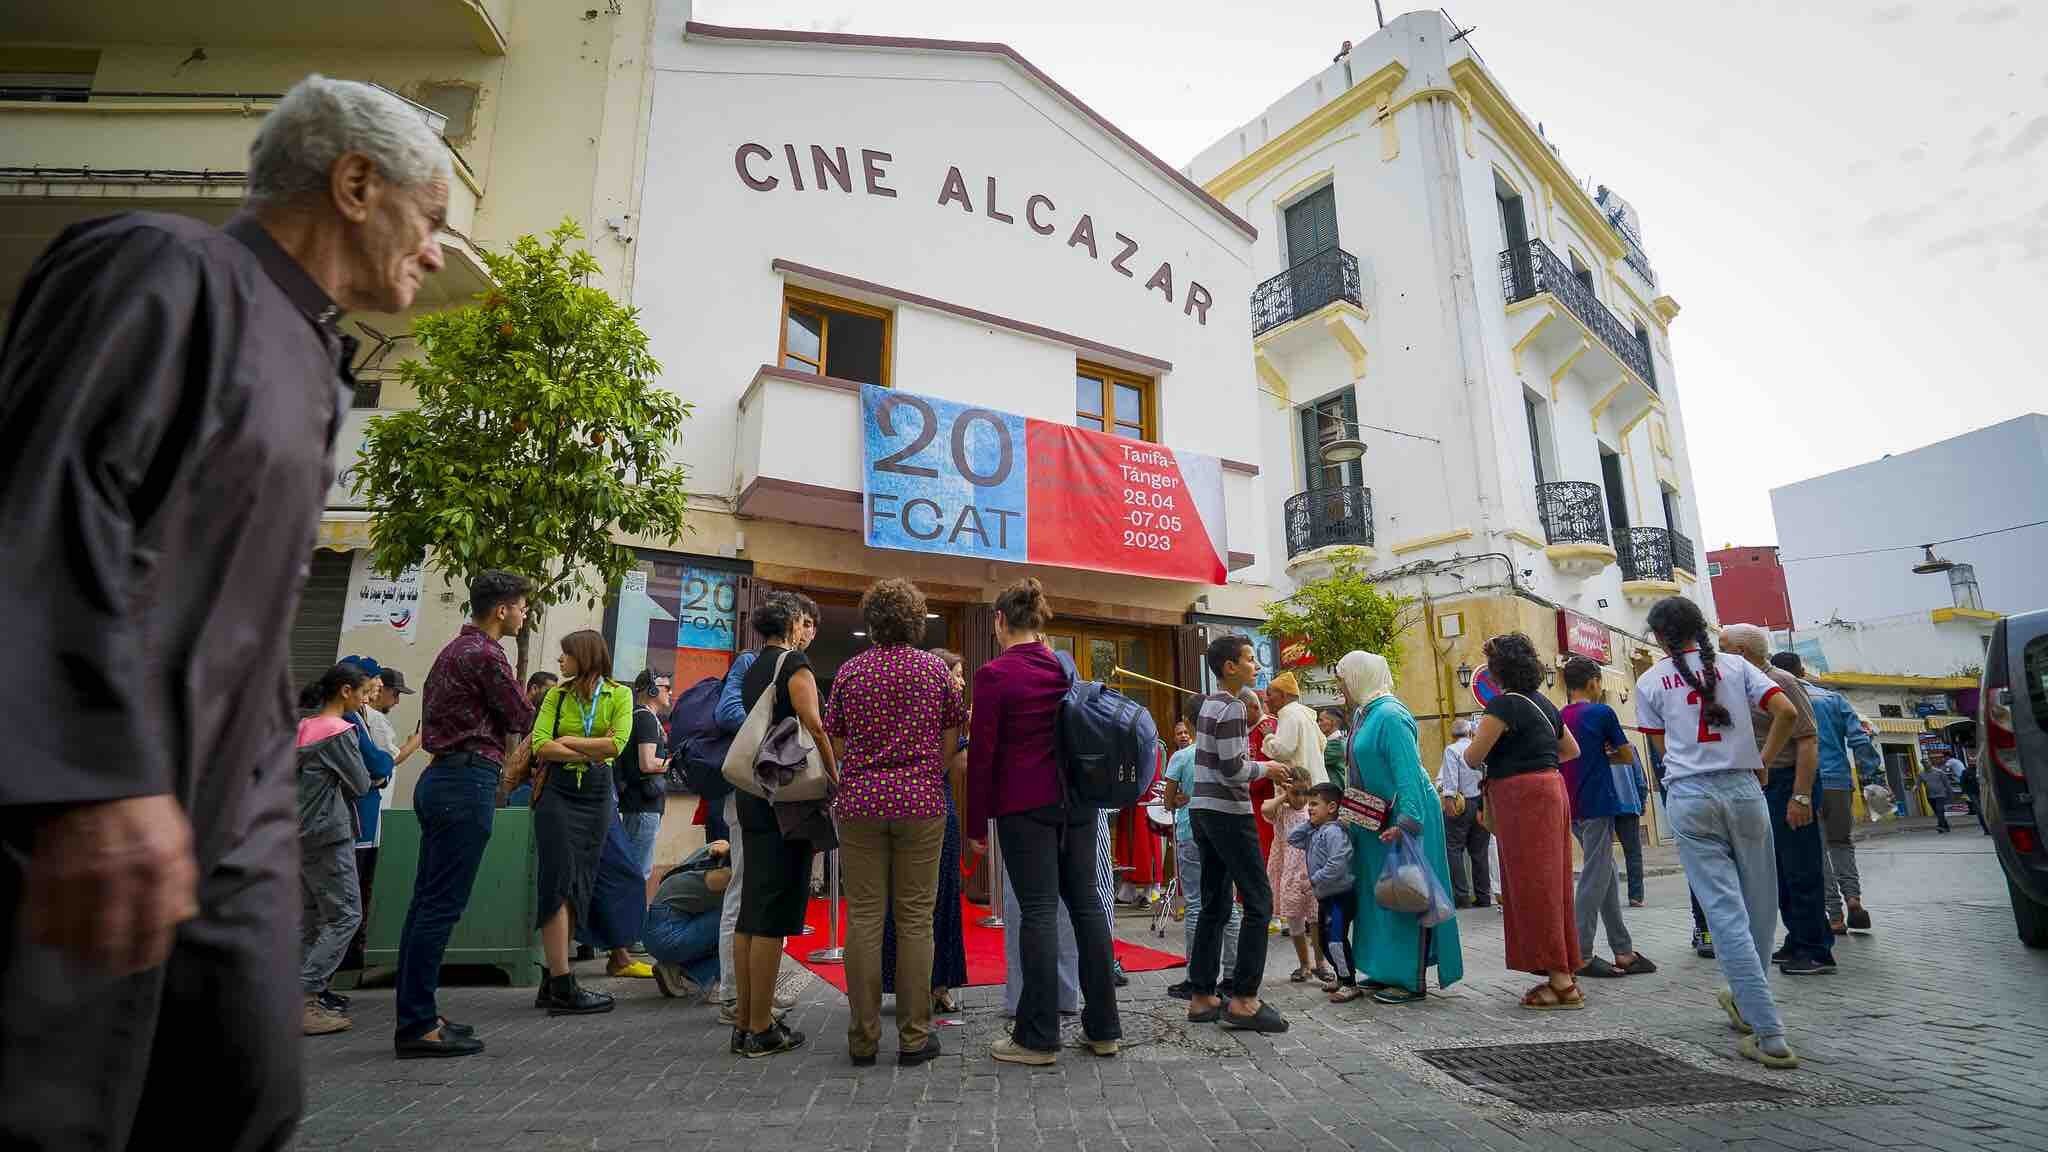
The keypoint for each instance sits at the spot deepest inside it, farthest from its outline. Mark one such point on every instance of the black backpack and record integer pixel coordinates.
(1107, 744)
(696, 747)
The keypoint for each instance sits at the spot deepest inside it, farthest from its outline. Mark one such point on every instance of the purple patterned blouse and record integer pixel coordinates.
(888, 709)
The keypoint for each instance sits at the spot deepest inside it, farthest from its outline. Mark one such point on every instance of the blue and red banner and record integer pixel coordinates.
(963, 481)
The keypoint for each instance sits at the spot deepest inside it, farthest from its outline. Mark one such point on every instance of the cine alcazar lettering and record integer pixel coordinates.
(838, 169)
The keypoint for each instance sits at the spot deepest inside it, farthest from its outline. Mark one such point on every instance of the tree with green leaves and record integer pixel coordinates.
(1344, 612)
(541, 431)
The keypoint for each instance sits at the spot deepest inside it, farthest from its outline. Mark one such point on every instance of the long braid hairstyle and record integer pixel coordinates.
(1679, 624)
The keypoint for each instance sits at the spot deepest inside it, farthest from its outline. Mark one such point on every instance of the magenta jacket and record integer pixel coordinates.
(1010, 762)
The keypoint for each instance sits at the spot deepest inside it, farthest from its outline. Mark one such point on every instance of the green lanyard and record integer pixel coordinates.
(589, 725)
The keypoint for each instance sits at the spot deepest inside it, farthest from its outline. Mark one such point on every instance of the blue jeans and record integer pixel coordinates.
(641, 829)
(455, 801)
(1724, 841)
(1802, 903)
(690, 942)
(1187, 861)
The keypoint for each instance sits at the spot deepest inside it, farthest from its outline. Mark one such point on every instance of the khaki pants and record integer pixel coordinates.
(885, 862)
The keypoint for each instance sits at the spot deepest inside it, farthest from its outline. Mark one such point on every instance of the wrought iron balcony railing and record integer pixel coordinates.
(1534, 268)
(1682, 554)
(1647, 555)
(1329, 276)
(1327, 517)
(1573, 511)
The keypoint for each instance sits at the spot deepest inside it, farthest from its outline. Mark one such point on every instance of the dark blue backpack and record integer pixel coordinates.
(1107, 744)
(697, 747)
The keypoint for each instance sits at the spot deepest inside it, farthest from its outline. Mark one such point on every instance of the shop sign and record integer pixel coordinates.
(382, 603)
(1582, 635)
(947, 478)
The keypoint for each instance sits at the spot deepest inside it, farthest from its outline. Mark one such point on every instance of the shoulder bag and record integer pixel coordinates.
(738, 769)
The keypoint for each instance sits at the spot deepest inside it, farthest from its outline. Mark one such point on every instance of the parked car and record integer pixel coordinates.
(2012, 754)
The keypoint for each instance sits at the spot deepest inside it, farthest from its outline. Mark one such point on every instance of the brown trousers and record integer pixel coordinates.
(884, 862)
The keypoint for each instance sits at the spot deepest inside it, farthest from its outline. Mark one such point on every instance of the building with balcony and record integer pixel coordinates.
(116, 105)
(877, 261)
(1437, 287)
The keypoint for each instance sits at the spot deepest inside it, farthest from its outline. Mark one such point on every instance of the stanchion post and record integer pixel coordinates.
(994, 863)
(833, 952)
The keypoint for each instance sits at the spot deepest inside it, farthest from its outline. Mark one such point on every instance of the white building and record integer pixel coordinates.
(1430, 270)
(1848, 540)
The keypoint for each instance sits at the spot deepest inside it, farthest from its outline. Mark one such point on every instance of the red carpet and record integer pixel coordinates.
(984, 948)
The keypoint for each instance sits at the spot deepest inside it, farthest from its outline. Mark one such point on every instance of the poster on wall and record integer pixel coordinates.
(382, 603)
(675, 617)
(963, 481)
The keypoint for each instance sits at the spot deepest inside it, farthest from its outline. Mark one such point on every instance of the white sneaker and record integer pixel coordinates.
(1010, 1052)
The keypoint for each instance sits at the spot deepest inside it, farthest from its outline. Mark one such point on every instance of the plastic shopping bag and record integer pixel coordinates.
(1407, 884)
(1878, 803)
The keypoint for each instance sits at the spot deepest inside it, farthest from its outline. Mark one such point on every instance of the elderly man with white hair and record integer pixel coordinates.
(171, 392)
(1792, 791)
(1464, 836)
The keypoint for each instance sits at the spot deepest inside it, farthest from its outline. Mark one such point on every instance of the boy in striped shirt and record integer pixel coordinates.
(1220, 810)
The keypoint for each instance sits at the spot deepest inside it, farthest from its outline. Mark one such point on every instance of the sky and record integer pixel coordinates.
(1847, 198)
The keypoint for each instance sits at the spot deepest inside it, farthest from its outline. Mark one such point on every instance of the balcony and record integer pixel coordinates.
(1305, 289)
(1533, 270)
(1322, 520)
(172, 152)
(1646, 569)
(1574, 515)
(815, 477)
(1682, 557)
(439, 25)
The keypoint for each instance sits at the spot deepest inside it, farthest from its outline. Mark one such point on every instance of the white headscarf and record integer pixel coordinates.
(1366, 677)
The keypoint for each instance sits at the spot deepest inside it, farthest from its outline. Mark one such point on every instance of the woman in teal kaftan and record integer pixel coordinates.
(1386, 761)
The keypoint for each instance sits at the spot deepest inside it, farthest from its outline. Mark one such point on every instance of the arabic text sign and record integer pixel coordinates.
(949, 478)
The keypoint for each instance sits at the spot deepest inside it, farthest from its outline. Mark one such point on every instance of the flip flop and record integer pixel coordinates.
(1395, 994)
(1345, 994)
(1265, 1021)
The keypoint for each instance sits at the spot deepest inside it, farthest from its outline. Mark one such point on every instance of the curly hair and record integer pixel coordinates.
(1515, 665)
(894, 612)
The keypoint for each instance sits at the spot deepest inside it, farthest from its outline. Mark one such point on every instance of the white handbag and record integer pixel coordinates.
(738, 769)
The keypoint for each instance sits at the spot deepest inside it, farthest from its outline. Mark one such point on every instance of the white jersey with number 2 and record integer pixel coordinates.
(1669, 707)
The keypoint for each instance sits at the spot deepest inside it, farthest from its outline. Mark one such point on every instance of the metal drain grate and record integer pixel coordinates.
(1594, 1076)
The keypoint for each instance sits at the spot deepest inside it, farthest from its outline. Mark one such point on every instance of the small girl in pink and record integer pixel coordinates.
(1294, 899)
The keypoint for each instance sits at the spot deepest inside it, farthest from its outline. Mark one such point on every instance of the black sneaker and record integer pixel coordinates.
(1783, 954)
(773, 1042)
(1122, 979)
(1181, 991)
(565, 998)
(1703, 944)
(1859, 920)
(917, 1056)
(334, 1001)
(447, 1046)
(738, 1046)
(1807, 966)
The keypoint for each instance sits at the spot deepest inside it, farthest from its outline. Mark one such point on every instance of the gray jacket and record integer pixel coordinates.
(331, 777)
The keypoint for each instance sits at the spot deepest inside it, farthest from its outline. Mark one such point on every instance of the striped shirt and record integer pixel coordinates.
(1223, 764)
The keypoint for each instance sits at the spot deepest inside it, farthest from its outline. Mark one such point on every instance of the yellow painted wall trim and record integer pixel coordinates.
(1339, 325)
(1540, 300)
(1305, 184)
(1529, 337)
(490, 39)
(1366, 93)
(463, 171)
(1391, 138)
(1521, 537)
(1530, 147)
(1944, 615)
(1564, 369)
(1269, 374)
(1421, 542)
(1911, 683)
(1656, 404)
(1666, 309)
(1684, 576)
(1607, 398)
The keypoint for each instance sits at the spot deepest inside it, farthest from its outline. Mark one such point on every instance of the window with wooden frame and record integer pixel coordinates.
(1113, 401)
(833, 337)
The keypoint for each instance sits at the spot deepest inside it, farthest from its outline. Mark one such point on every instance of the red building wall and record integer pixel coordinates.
(1749, 587)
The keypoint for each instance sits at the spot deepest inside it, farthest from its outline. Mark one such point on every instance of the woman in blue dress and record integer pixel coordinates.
(1386, 762)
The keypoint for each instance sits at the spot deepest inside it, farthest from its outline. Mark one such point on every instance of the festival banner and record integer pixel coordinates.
(964, 481)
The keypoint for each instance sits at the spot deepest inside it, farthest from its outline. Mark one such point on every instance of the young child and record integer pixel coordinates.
(1294, 900)
(1326, 846)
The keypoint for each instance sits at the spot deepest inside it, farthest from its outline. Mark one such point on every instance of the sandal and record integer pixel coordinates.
(1395, 994)
(1298, 976)
(1345, 994)
(945, 1002)
(1544, 998)
(1639, 965)
(1599, 969)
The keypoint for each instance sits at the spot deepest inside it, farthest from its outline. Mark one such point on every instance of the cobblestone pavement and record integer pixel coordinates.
(1931, 1036)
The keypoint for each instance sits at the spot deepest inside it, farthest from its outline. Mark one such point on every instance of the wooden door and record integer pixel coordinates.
(1100, 650)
